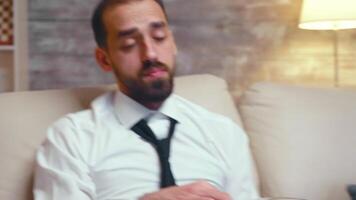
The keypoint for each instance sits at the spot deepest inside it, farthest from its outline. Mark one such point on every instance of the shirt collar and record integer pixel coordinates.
(129, 112)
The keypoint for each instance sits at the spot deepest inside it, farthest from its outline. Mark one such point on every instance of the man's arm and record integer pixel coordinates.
(61, 172)
(195, 191)
(242, 182)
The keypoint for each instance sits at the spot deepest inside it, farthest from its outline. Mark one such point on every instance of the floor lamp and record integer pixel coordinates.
(329, 15)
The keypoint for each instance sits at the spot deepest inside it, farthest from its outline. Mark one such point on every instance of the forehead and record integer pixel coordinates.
(133, 14)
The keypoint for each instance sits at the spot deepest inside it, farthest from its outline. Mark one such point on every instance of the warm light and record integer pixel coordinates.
(328, 14)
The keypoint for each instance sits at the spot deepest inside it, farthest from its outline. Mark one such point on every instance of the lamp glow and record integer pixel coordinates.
(328, 14)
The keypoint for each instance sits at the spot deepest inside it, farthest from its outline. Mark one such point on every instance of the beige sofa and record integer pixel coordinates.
(303, 140)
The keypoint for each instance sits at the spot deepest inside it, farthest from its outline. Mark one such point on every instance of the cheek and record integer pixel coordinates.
(167, 54)
(127, 62)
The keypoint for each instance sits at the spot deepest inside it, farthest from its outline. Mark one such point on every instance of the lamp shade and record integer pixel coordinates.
(328, 14)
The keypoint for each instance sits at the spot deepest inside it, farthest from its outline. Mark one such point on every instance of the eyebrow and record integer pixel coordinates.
(128, 32)
(157, 25)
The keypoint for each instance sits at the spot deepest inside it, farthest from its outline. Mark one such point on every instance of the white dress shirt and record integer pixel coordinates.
(93, 154)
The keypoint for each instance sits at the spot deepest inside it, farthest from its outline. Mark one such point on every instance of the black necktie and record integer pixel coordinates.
(162, 147)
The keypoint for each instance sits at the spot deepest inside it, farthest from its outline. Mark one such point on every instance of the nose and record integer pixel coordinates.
(149, 52)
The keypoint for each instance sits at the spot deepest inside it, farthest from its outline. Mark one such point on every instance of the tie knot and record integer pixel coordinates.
(143, 130)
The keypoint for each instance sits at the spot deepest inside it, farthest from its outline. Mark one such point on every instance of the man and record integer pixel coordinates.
(142, 142)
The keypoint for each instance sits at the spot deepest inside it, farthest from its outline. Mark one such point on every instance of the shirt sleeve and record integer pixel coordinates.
(242, 180)
(61, 171)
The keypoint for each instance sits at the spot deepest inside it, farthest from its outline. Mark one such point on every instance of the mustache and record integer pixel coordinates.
(146, 65)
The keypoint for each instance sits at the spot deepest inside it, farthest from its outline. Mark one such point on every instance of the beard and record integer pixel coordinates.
(148, 91)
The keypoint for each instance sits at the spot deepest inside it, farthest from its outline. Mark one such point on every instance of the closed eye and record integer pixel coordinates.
(159, 39)
(128, 47)
(128, 44)
(159, 35)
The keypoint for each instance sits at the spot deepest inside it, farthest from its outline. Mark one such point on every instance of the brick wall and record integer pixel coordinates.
(242, 41)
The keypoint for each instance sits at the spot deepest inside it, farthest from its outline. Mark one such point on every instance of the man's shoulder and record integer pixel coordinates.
(86, 119)
(215, 124)
(192, 109)
(74, 119)
(79, 128)
(189, 106)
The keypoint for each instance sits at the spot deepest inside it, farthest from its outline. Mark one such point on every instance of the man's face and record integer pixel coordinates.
(140, 50)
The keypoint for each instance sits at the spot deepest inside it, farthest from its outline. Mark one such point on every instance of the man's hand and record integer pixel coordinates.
(195, 191)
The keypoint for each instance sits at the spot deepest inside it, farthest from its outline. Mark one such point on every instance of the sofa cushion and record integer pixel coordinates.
(303, 139)
(25, 116)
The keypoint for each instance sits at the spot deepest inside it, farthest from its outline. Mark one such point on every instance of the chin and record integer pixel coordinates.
(150, 90)
(158, 90)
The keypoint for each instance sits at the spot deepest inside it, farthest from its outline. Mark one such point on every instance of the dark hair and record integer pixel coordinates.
(97, 23)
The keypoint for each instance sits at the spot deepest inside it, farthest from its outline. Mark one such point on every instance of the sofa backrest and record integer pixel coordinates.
(303, 139)
(25, 116)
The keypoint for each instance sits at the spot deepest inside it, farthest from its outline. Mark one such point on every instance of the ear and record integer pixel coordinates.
(102, 58)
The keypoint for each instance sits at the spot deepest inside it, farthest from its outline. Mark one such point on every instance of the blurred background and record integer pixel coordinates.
(242, 41)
